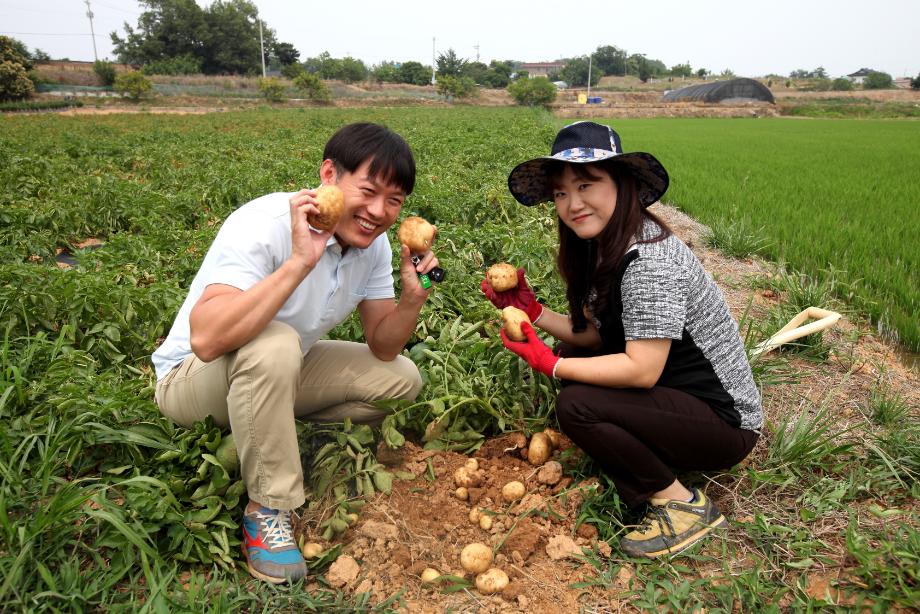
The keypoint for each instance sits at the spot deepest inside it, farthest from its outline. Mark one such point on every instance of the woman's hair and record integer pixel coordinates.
(389, 154)
(586, 263)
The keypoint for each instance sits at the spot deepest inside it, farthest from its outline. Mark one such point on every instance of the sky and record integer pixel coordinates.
(751, 39)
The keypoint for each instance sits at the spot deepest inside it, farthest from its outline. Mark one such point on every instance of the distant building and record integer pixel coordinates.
(902, 83)
(542, 69)
(859, 76)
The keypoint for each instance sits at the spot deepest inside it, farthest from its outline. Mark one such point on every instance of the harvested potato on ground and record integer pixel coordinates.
(512, 491)
(311, 550)
(502, 277)
(476, 557)
(550, 473)
(429, 575)
(491, 581)
(331, 202)
(417, 233)
(554, 436)
(471, 465)
(540, 449)
(485, 522)
(462, 493)
(465, 478)
(512, 317)
(474, 515)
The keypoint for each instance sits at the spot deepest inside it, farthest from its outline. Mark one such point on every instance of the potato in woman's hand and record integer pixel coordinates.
(331, 202)
(417, 233)
(502, 277)
(512, 318)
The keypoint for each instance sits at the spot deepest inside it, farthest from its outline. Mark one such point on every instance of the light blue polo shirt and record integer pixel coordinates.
(253, 243)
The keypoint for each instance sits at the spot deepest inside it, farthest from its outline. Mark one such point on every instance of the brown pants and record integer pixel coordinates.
(260, 389)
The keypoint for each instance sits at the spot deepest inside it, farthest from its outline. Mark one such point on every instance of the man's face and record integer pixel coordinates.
(371, 207)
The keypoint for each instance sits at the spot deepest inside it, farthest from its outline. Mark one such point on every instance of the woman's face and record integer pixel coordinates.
(585, 204)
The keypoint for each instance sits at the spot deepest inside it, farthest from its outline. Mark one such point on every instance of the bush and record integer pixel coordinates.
(272, 89)
(14, 81)
(533, 92)
(842, 84)
(313, 87)
(292, 71)
(877, 81)
(915, 83)
(455, 87)
(105, 71)
(180, 65)
(133, 84)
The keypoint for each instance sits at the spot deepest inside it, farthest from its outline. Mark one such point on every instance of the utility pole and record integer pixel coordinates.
(432, 61)
(92, 33)
(262, 48)
(476, 47)
(589, 75)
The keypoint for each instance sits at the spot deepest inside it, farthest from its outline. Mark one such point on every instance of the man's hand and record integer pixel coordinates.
(307, 244)
(412, 289)
(521, 296)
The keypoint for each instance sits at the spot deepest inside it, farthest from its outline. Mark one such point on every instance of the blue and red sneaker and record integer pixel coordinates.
(269, 547)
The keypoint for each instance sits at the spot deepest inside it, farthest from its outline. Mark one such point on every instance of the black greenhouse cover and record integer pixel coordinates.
(718, 91)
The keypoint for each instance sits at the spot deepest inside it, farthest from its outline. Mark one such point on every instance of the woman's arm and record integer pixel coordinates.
(640, 366)
(560, 327)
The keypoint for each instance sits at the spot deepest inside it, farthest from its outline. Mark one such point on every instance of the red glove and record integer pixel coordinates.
(520, 296)
(537, 354)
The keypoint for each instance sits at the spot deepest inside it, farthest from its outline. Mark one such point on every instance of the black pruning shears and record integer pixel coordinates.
(437, 274)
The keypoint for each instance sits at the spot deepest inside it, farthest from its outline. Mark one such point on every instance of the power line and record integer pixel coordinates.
(49, 33)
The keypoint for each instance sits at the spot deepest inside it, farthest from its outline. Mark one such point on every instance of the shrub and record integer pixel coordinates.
(915, 83)
(133, 84)
(313, 87)
(292, 71)
(877, 81)
(842, 84)
(14, 81)
(272, 89)
(455, 87)
(533, 92)
(105, 71)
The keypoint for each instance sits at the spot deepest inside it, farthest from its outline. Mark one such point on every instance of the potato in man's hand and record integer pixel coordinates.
(417, 233)
(331, 202)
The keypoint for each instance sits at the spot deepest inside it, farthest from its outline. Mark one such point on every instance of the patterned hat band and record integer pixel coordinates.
(584, 143)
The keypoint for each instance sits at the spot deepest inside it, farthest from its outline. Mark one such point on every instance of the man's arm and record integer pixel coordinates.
(388, 324)
(226, 318)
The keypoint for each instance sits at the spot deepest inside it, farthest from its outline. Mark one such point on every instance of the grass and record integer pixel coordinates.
(839, 193)
(105, 505)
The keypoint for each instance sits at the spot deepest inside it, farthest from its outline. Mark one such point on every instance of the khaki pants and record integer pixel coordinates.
(260, 389)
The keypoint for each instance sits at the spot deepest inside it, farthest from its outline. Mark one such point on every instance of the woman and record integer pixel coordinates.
(654, 375)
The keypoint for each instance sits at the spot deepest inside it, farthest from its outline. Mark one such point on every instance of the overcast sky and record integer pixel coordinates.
(752, 39)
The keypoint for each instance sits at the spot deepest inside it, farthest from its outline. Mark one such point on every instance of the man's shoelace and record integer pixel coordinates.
(277, 528)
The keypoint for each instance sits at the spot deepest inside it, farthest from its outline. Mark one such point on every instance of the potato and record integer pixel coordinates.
(475, 514)
(331, 202)
(476, 557)
(502, 277)
(492, 581)
(466, 478)
(471, 465)
(462, 493)
(513, 317)
(485, 522)
(429, 575)
(417, 233)
(554, 437)
(311, 550)
(540, 449)
(512, 491)
(351, 519)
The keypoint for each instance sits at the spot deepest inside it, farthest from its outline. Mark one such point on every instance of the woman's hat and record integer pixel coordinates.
(583, 143)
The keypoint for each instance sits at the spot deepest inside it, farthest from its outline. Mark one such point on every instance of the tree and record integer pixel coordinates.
(285, 53)
(915, 83)
(610, 60)
(819, 73)
(14, 66)
(387, 72)
(701, 73)
(352, 70)
(105, 71)
(842, 84)
(533, 92)
(681, 70)
(414, 73)
(575, 72)
(877, 80)
(449, 64)
(134, 84)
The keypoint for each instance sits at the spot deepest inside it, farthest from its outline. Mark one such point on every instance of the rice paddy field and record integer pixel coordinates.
(106, 505)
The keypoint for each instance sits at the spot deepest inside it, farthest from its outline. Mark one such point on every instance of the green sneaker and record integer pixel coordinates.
(671, 526)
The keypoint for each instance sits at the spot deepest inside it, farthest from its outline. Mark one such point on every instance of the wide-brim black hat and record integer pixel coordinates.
(583, 143)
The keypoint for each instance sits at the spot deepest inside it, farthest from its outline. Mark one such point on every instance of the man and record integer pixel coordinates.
(245, 347)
